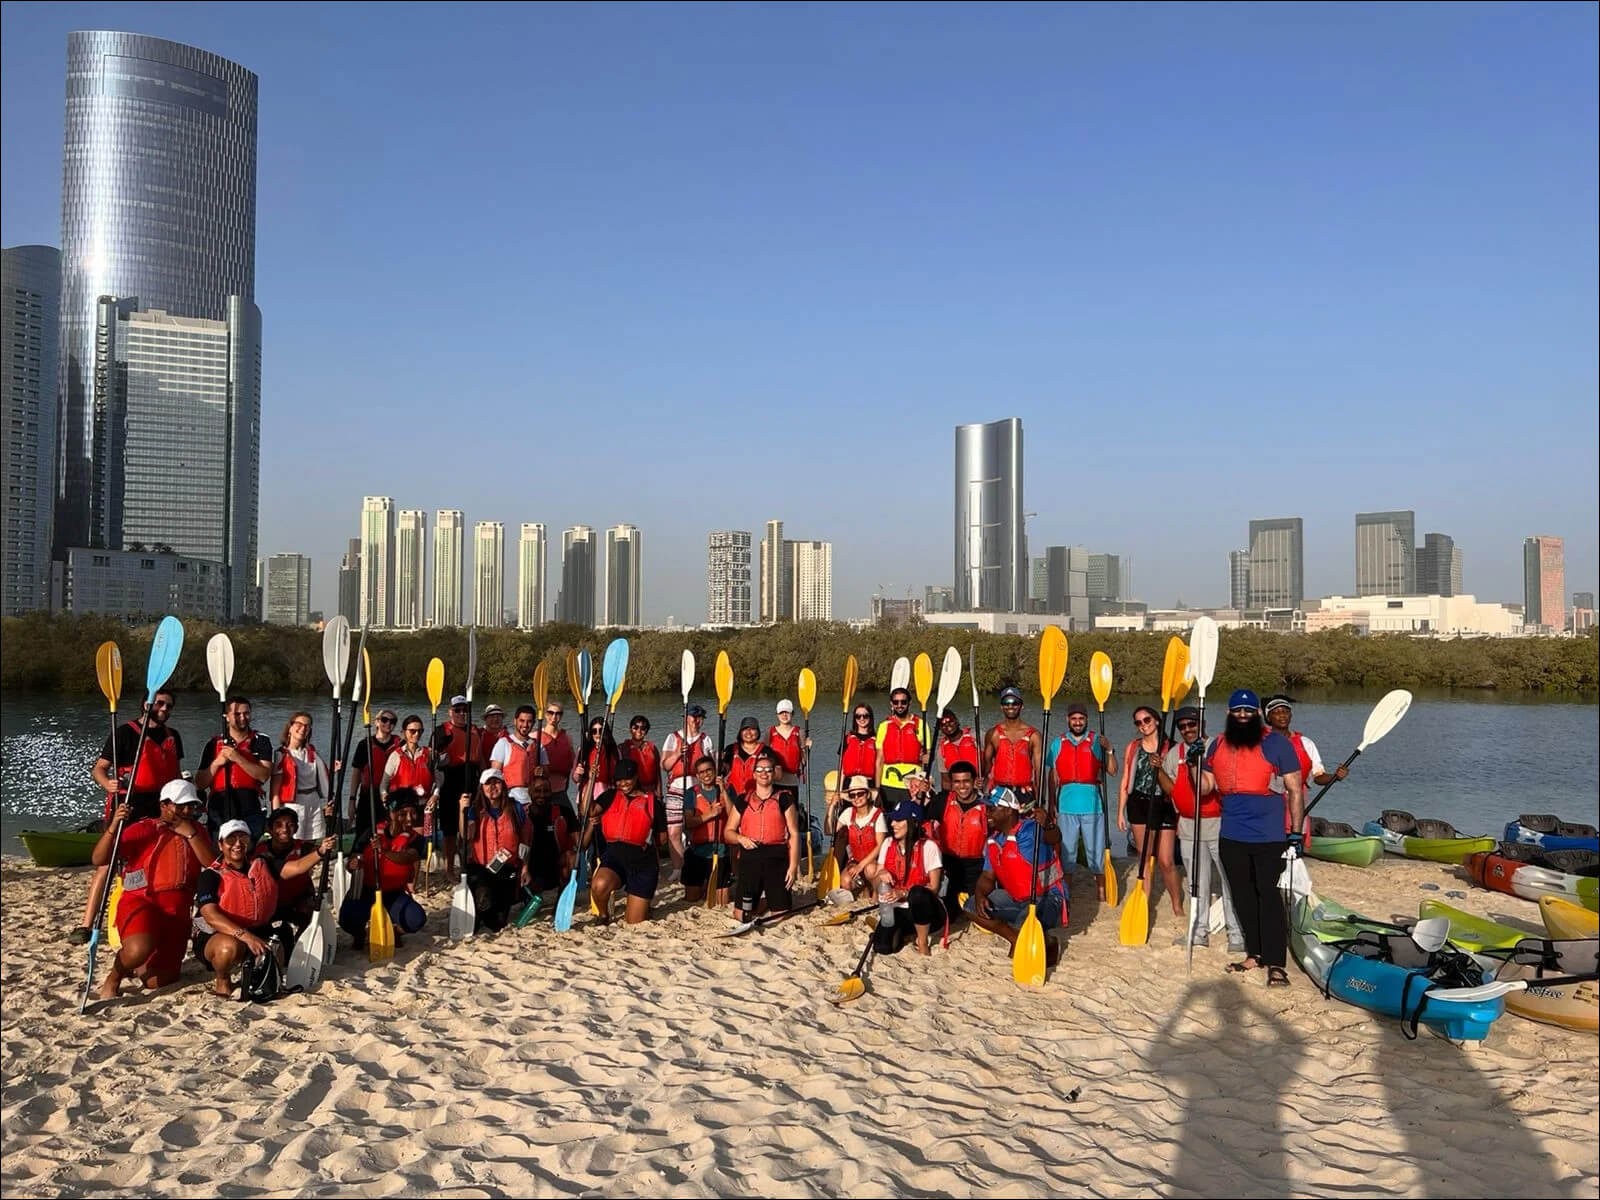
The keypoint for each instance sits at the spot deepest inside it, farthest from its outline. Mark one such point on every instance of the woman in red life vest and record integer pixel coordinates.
(705, 828)
(162, 858)
(765, 826)
(907, 873)
(498, 838)
(597, 760)
(963, 830)
(1142, 807)
(859, 755)
(390, 858)
(408, 771)
(300, 779)
(1178, 770)
(645, 756)
(739, 758)
(856, 824)
(558, 752)
(633, 824)
(789, 745)
(292, 864)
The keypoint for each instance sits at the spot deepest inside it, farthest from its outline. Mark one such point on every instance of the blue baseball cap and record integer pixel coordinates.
(1244, 698)
(907, 810)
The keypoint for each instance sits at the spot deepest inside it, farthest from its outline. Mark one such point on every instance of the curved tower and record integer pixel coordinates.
(991, 541)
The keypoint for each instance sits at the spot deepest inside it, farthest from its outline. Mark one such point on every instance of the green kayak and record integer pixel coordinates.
(1473, 932)
(1351, 851)
(59, 847)
(1440, 850)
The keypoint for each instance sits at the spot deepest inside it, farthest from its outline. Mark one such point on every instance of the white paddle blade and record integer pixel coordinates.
(972, 672)
(219, 663)
(472, 658)
(1432, 933)
(949, 677)
(1203, 653)
(336, 653)
(338, 883)
(900, 676)
(305, 960)
(1385, 716)
(1217, 917)
(463, 911)
(328, 930)
(686, 675)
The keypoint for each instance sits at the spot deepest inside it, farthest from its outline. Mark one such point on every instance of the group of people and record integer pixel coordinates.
(981, 829)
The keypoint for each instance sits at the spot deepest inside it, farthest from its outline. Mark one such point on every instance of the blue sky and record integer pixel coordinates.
(697, 266)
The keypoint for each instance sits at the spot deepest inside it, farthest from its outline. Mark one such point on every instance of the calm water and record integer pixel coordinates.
(1476, 762)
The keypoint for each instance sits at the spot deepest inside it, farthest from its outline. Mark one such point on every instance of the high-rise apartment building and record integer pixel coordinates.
(624, 566)
(158, 205)
(1582, 615)
(813, 581)
(1277, 563)
(1109, 577)
(938, 599)
(449, 569)
(410, 575)
(30, 308)
(1066, 590)
(991, 547)
(1386, 553)
(531, 555)
(287, 590)
(489, 573)
(377, 561)
(1439, 566)
(350, 582)
(728, 577)
(1544, 584)
(1039, 579)
(777, 580)
(1238, 579)
(575, 601)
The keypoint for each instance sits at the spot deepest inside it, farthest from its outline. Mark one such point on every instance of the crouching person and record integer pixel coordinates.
(497, 840)
(389, 857)
(1009, 882)
(235, 906)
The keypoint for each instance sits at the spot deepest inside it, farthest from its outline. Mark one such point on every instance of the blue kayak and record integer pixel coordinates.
(1516, 831)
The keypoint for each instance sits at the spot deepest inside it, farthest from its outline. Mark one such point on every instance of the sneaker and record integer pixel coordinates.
(79, 936)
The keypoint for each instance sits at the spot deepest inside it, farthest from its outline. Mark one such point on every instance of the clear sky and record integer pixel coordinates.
(694, 267)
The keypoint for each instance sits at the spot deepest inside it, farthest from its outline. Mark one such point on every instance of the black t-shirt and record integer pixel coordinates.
(233, 793)
(786, 800)
(127, 743)
(360, 755)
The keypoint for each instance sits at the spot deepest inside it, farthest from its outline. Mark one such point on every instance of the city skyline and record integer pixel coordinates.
(1455, 342)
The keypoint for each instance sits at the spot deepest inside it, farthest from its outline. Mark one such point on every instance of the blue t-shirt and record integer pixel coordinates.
(1249, 818)
(1079, 799)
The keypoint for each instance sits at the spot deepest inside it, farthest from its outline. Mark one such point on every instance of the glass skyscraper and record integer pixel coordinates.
(991, 542)
(158, 206)
(29, 317)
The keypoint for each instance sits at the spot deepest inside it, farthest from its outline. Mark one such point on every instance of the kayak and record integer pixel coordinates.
(1571, 1005)
(1391, 988)
(1564, 919)
(1549, 833)
(1441, 850)
(1472, 932)
(60, 847)
(1501, 874)
(1351, 851)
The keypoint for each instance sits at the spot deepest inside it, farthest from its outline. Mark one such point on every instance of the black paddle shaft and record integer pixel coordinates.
(1317, 799)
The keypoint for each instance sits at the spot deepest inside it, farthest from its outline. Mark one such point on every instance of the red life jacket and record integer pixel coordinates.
(601, 766)
(559, 751)
(158, 764)
(763, 821)
(229, 778)
(1078, 763)
(288, 768)
(861, 840)
(787, 748)
(1183, 795)
(901, 741)
(412, 772)
(907, 876)
(521, 759)
(630, 820)
(1297, 740)
(249, 897)
(690, 749)
(494, 834)
(167, 862)
(741, 771)
(392, 876)
(648, 759)
(860, 757)
(710, 831)
(1013, 870)
(1013, 760)
(292, 891)
(377, 759)
(963, 831)
(963, 749)
(1243, 772)
(455, 750)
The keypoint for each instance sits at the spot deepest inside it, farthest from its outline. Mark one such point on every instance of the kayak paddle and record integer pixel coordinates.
(108, 670)
(922, 681)
(1100, 685)
(854, 986)
(807, 691)
(219, 663)
(380, 930)
(900, 675)
(1203, 666)
(568, 898)
(541, 689)
(949, 681)
(1028, 956)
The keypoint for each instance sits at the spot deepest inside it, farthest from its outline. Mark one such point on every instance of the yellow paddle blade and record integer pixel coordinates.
(850, 672)
(1100, 677)
(366, 692)
(574, 683)
(711, 883)
(380, 932)
(724, 681)
(113, 938)
(435, 683)
(594, 909)
(1109, 874)
(1052, 663)
(1027, 958)
(830, 875)
(1135, 927)
(1182, 690)
(839, 918)
(830, 781)
(541, 690)
(851, 989)
(922, 676)
(108, 670)
(808, 690)
(1172, 669)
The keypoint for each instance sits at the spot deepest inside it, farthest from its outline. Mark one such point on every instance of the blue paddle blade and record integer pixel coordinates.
(585, 673)
(568, 898)
(615, 667)
(164, 651)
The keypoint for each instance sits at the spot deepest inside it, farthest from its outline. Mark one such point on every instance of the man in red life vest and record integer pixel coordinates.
(234, 765)
(963, 821)
(368, 761)
(1010, 881)
(1176, 777)
(518, 756)
(903, 744)
(460, 751)
(1011, 749)
(1076, 766)
(680, 752)
(1278, 710)
(956, 745)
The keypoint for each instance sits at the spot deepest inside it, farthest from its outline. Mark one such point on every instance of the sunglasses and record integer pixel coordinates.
(1011, 704)
(385, 720)
(863, 716)
(858, 795)
(1141, 722)
(1188, 724)
(417, 729)
(762, 770)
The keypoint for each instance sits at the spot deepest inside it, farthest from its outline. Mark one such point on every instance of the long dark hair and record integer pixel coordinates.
(607, 743)
(872, 720)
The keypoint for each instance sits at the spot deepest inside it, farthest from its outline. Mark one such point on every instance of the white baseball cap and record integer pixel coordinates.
(786, 706)
(229, 828)
(180, 791)
(491, 773)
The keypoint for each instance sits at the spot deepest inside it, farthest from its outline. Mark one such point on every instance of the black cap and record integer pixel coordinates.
(1187, 713)
(1077, 709)
(696, 711)
(627, 769)
(749, 723)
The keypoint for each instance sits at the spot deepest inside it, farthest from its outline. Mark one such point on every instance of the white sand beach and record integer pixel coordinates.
(665, 1061)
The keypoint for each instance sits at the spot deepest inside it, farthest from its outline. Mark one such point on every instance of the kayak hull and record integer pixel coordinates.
(1518, 832)
(1501, 874)
(59, 848)
(1351, 851)
(1563, 919)
(1568, 1005)
(1439, 850)
(1472, 932)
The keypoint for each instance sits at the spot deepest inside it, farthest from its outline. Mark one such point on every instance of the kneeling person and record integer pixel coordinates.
(292, 864)
(633, 825)
(390, 857)
(235, 906)
(1009, 882)
(764, 824)
(497, 839)
(907, 874)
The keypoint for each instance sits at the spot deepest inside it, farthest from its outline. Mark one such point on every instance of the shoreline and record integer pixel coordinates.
(663, 1060)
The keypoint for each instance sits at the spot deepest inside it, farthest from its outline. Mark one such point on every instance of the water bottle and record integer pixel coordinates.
(885, 905)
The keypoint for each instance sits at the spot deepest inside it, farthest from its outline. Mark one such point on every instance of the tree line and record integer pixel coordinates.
(55, 653)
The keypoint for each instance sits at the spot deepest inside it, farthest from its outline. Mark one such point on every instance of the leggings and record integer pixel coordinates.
(922, 908)
(1252, 869)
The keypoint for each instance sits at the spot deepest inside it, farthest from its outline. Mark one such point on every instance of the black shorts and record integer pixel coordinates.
(697, 870)
(922, 908)
(763, 870)
(638, 867)
(1155, 812)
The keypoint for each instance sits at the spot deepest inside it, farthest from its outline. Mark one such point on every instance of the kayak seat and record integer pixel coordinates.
(1539, 822)
(1522, 852)
(1436, 829)
(1573, 829)
(1398, 821)
(1331, 829)
(1426, 969)
(1574, 862)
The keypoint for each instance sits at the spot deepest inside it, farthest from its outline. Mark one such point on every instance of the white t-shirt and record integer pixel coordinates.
(874, 818)
(1276, 782)
(310, 794)
(932, 861)
(701, 747)
(501, 755)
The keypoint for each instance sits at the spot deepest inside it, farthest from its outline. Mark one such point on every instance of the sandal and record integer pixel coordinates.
(1277, 977)
(1238, 968)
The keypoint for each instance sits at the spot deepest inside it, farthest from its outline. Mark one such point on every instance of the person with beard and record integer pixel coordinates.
(1241, 766)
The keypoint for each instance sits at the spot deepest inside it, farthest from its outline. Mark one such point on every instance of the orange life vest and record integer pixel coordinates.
(455, 748)
(1078, 763)
(392, 876)
(963, 749)
(412, 772)
(902, 741)
(963, 831)
(630, 820)
(708, 831)
(1183, 795)
(249, 897)
(648, 759)
(495, 834)
(689, 750)
(1013, 760)
(158, 763)
(166, 862)
(558, 750)
(521, 759)
(860, 757)
(786, 748)
(1297, 740)
(377, 759)
(288, 768)
(741, 771)
(861, 840)
(914, 874)
(763, 821)
(1242, 772)
(1013, 870)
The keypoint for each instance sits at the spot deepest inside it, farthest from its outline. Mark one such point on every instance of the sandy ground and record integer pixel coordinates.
(663, 1060)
